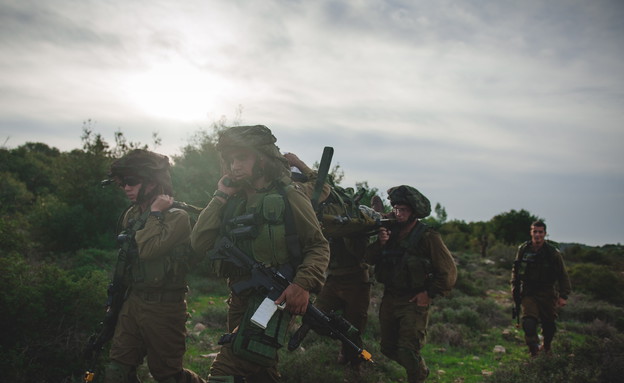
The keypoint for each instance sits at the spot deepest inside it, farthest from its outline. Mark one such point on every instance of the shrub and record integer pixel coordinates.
(46, 319)
(597, 360)
(602, 282)
(585, 309)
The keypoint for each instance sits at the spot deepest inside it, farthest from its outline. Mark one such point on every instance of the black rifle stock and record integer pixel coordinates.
(275, 281)
(117, 294)
(517, 294)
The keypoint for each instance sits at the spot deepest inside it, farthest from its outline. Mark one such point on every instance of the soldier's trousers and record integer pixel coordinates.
(152, 329)
(404, 333)
(350, 295)
(226, 364)
(539, 308)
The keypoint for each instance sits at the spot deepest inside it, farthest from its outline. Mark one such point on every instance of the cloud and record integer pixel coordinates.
(474, 102)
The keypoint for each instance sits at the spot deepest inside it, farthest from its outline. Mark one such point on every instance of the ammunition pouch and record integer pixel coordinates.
(159, 272)
(255, 344)
(404, 271)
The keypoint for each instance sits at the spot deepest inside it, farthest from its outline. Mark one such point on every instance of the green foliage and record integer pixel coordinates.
(456, 235)
(367, 194)
(512, 227)
(197, 171)
(597, 360)
(602, 282)
(32, 164)
(46, 316)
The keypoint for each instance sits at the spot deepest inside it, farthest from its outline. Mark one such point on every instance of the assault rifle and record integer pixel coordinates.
(117, 293)
(517, 293)
(274, 282)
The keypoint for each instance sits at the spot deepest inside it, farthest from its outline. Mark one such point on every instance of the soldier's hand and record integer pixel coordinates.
(296, 298)
(421, 299)
(162, 203)
(229, 190)
(384, 235)
(561, 302)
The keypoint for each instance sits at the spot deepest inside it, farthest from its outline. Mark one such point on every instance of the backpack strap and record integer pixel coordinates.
(416, 234)
(292, 238)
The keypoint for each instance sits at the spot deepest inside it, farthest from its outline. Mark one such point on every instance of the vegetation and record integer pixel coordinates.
(57, 248)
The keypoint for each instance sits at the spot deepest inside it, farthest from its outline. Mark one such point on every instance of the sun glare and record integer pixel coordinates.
(175, 91)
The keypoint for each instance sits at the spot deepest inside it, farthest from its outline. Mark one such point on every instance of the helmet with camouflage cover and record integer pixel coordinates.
(407, 195)
(146, 165)
(256, 137)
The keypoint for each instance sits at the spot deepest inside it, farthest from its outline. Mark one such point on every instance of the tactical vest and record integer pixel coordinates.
(538, 270)
(404, 267)
(258, 227)
(165, 273)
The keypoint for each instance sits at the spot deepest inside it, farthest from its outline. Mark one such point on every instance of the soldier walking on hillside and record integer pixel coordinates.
(152, 320)
(347, 289)
(257, 209)
(415, 266)
(540, 283)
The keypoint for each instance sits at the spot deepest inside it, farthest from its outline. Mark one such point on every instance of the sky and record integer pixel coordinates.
(483, 105)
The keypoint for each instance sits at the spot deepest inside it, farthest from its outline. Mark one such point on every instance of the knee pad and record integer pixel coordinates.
(529, 325)
(116, 372)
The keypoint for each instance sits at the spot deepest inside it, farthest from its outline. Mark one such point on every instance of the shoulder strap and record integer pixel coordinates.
(417, 234)
(122, 256)
(292, 239)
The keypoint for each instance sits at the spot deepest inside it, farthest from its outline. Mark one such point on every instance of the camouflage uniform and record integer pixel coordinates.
(542, 278)
(212, 225)
(418, 262)
(152, 321)
(348, 288)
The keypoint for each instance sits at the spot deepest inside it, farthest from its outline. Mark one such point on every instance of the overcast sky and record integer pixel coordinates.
(484, 105)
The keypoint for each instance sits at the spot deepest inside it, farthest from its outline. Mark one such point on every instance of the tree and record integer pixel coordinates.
(512, 227)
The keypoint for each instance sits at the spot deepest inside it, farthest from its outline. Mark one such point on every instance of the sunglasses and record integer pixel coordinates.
(130, 181)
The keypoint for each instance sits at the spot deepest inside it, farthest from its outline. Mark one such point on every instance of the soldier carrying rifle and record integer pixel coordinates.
(147, 299)
(540, 284)
(264, 215)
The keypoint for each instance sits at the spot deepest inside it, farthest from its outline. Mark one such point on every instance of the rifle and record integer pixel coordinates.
(323, 170)
(275, 281)
(117, 294)
(517, 294)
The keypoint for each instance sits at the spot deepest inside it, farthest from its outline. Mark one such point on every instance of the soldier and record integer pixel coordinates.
(347, 288)
(415, 266)
(152, 319)
(540, 283)
(283, 230)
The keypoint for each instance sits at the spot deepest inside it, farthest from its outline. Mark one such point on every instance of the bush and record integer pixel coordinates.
(585, 309)
(46, 319)
(601, 282)
(597, 360)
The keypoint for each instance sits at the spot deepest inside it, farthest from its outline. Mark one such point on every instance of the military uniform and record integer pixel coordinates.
(348, 288)
(541, 278)
(267, 245)
(152, 320)
(414, 263)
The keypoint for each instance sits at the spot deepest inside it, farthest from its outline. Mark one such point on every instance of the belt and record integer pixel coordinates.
(164, 296)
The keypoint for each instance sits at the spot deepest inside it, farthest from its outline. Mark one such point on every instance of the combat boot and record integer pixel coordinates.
(534, 350)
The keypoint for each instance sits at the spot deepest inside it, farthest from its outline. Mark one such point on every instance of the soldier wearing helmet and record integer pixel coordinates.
(415, 266)
(265, 215)
(152, 319)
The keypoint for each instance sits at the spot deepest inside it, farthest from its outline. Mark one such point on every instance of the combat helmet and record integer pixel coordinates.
(255, 137)
(147, 165)
(407, 195)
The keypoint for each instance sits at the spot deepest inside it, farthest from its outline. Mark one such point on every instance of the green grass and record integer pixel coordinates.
(463, 332)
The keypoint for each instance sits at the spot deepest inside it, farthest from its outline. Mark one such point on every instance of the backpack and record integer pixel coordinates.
(341, 215)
